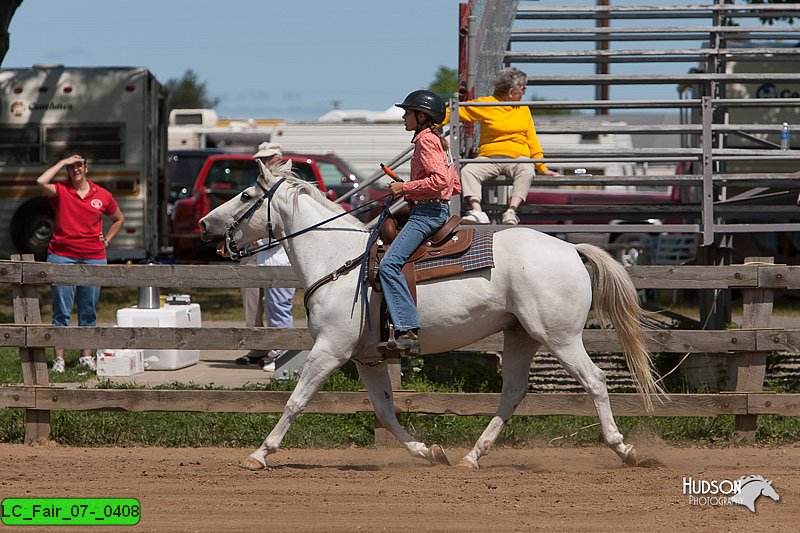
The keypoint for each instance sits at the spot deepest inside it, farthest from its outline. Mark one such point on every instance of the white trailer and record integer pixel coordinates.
(363, 145)
(116, 117)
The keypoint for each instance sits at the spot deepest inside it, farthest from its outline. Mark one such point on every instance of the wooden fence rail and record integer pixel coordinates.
(747, 348)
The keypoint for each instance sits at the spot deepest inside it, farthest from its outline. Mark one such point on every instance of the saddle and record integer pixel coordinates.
(445, 242)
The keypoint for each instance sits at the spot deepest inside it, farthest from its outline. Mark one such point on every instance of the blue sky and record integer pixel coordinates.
(287, 59)
(266, 58)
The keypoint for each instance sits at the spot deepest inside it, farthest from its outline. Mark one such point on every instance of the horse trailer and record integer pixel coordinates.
(116, 117)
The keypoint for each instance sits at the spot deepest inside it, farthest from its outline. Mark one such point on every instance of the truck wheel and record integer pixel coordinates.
(32, 227)
(629, 248)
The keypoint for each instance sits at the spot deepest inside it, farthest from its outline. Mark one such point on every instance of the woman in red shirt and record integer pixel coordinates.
(433, 181)
(77, 239)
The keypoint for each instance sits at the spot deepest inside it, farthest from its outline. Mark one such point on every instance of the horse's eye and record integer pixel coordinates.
(245, 196)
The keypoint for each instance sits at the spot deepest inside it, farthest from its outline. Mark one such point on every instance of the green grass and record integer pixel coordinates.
(216, 304)
(111, 428)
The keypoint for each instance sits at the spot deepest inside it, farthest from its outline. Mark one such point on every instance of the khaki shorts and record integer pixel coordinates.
(474, 174)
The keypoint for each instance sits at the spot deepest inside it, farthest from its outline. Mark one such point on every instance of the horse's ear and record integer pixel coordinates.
(284, 168)
(263, 169)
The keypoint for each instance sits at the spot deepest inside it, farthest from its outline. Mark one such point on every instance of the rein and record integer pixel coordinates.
(272, 242)
(236, 254)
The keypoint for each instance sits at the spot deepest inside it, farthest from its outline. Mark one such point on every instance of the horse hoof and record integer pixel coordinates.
(252, 464)
(438, 457)
(468, 462)
(631, 458)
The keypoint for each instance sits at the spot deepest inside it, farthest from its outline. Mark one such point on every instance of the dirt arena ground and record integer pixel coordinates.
(535, 489)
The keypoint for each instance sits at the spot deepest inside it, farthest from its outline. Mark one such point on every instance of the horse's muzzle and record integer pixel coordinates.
(205, 236)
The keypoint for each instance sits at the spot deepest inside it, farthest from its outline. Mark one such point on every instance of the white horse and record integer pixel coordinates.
(538, 293)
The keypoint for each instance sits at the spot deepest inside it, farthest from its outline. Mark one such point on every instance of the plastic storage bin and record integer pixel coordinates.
(169, 316)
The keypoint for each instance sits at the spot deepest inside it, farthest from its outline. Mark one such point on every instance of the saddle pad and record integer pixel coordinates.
(479, 255)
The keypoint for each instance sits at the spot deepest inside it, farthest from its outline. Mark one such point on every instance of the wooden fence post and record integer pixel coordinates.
(383, 437)
(33, 360)
(749, 368)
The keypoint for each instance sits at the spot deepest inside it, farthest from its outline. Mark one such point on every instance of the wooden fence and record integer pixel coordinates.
(747, 348)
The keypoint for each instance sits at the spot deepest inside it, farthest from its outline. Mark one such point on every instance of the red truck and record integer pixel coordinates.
(223, 176)
(563, 206)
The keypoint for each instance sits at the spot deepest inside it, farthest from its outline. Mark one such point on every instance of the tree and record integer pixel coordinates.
(7, 9)
(445, 82)
(772, 20)
(189, 92)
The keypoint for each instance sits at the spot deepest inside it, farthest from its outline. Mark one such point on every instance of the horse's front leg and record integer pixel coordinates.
(518, 350)
(322, 362)
(379, 386)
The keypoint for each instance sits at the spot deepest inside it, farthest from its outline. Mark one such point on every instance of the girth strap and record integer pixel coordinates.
(349, 265)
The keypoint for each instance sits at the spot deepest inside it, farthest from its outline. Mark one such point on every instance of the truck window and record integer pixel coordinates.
(304, 172)
(331, 175)
(97, 143)
(19, 145)
(231, 176)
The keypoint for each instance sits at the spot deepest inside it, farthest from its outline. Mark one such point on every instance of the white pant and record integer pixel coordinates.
(474, 174)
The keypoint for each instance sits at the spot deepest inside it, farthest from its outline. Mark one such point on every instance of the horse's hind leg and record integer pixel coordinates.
(518, 350)
(379, 386)
(576, 362)
(320, 365)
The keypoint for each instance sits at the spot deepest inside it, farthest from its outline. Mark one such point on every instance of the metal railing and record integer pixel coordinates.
(707, 127)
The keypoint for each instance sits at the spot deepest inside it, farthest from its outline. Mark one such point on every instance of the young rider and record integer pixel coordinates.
(433, 181)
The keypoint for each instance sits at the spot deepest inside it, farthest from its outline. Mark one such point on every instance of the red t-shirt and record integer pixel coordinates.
(78, 221)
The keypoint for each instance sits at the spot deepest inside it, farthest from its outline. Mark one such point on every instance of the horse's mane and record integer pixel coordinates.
(300, 186)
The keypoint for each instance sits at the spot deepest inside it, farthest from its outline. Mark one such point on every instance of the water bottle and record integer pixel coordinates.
(785, 135)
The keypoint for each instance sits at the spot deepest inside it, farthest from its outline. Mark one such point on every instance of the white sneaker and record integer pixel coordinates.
(274, 354)
(87, 361)
(475, 217)
(58, 365)
(510, 217)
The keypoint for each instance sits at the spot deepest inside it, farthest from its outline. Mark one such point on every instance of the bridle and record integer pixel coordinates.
(230, 242)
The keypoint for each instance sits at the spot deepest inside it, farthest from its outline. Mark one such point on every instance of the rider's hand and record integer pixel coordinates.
(396, 187)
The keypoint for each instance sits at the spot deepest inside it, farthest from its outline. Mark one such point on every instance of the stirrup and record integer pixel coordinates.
(408, 342)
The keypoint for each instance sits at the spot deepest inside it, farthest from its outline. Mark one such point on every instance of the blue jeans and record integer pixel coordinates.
(423, 222)
(64, 295)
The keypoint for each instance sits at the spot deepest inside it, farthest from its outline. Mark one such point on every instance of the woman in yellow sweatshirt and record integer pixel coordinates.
(506, 132)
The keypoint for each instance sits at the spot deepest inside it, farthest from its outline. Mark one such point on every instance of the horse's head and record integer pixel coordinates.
(278, 201)
(751, 488)
(241, 218)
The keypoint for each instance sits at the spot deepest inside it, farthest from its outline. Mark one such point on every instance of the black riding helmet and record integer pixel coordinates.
(426, 101)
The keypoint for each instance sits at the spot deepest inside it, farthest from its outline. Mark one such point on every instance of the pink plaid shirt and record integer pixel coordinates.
(433, 173)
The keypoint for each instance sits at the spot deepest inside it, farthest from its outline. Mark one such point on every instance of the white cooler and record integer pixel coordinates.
(169, 316)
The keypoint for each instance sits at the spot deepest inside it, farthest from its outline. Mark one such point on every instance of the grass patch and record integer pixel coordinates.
(110, 428)
(215, 304)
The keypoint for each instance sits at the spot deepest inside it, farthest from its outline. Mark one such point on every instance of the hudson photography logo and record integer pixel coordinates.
(720, 492)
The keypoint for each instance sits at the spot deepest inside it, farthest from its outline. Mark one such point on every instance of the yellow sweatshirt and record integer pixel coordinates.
(505, 131)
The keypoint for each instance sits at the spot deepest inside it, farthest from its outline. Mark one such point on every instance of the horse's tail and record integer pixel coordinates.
(614, 298)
